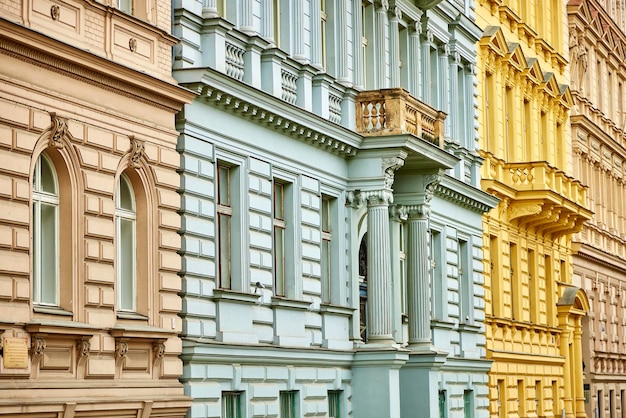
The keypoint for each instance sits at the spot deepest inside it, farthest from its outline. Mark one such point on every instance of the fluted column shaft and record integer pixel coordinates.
(298, 30)
(378, 272)
(417, 277)
(415, 60)
(209, 8)
(267, 20)
(578, 362)
(247, 18)
(394, 47)
(316, 33)
(454, 112)
(444, 85)
(381, 75)
(427, 76)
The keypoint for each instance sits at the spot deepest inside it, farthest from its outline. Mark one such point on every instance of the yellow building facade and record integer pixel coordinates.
(533, 310)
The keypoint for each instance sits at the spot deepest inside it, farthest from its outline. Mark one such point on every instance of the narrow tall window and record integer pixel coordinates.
(323, 18)
(539, 405)
(289, 404)
(334, 403)
(521, 398)
(45, 233)
(516, 294)
(468, 404)
(502, 406)
(494, 269)
(326, 248)
(437, 268)
(125, 233)
(550, 303)
(279, 238)
(466, 287)
(224, 221)
(231, 405)
(533, 288)
(443, 404)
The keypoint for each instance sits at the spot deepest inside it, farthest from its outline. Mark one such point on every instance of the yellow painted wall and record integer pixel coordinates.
(533, 313)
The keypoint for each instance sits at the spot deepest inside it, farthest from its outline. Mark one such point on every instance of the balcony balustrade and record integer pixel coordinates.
(394, 111)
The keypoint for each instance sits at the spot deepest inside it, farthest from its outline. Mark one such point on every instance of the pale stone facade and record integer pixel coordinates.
(87, 106)
(534, 308)
(598, 54)
(330, 186)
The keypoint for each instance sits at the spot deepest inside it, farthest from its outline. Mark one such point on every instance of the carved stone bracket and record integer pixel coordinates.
(121, 349)
(389, 166)
(37, 347)
(158, 348)
(137, 151)
(58, 130)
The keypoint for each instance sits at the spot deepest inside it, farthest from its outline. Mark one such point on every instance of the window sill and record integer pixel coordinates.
(282, 302)
(131, 315)
(224, 294)
(336, 309)
(52, 310)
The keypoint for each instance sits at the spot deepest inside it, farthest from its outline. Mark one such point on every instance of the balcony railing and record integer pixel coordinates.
(394, 111)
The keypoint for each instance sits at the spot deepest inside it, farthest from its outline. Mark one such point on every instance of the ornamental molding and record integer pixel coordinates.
(69, 61)
(274, 117)
(460, 199)
(59, 130)
(136, 152)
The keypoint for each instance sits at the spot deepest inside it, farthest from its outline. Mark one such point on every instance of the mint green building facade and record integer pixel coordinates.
(331, 210)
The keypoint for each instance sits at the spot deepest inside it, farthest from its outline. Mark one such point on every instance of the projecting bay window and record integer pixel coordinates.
(224, 225)
(45, 198)
(125, 235)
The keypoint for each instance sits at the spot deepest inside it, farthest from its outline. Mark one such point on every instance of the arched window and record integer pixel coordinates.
(45, 233)
(125, 233)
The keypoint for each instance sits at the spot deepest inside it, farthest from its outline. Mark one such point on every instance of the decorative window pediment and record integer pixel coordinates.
(516, 56)
(493, 38)
(533, 72)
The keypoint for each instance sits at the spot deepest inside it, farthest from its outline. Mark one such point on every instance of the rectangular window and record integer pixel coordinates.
(494, 269)
(224, 225)
(334, 403)
(126, 6)
(279, 238)
(289, 404)
(600, 407)
(515, 295)
(533, 288)
(502, 406)
(466, 288)
(231, 405)
(468, 404)
(521, 398)
(549, 291)
(437, 268)
(443, 407)
(327, 237)
(539, 406)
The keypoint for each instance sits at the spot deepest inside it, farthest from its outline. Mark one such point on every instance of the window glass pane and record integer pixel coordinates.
(48, 181)
(127, 264)
(48, 252)
(231, 405)
(288, 404)
(224, 250)
(279, 201)
(126, 195)
(279, 261)
(125, 6)
(223, 191)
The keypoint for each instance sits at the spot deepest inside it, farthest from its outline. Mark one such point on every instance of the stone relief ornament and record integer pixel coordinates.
(137, 152)
(58, 131)
(121, 349)
(132, 44)
(390, 165)
(37, 346)
(55, 12)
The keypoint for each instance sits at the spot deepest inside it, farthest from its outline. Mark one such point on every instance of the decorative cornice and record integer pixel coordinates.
(273, 113)
(18, 42)
(463, 200)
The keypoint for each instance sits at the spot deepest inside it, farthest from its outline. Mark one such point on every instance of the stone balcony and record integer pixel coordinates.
(538, 196)
(394, 111)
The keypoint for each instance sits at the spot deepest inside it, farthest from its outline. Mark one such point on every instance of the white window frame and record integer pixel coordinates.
(40, 197)
(122, 214)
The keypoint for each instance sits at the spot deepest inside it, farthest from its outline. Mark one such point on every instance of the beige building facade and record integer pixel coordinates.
(88, 200)
(597, 43)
